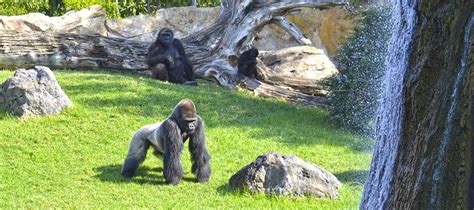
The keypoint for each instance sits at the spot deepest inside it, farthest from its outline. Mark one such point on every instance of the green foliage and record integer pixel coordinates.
(73, 160)
(114, 8)
(20, 7)
(355, 91)
(111, 8)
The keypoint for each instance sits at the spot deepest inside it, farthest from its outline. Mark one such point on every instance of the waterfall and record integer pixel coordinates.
(462, 75)
(390, 110)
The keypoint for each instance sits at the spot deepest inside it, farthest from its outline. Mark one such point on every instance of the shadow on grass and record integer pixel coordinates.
(143, 97)
(226, 189)
(145, 175)
(4, 114)
(111, 173)
(353, 177)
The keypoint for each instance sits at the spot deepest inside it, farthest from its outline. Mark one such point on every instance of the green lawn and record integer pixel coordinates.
(73, 160)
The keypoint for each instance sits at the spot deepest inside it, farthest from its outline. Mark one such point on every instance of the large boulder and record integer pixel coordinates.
(303, 68)
(33, 92)
(286, 175)
(326, 29)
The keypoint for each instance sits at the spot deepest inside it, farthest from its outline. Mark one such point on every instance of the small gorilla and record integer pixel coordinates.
(247, 63)
(168, 61)
(167, 139)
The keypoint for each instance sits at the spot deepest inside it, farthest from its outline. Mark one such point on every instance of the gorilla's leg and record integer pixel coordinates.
(136, 155)
(176, 74)
(200, 157)
(172, 169)
(160, 72)
(188, 72)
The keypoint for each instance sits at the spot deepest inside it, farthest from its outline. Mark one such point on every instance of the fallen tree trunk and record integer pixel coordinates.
(235, 30)
(24, 50)
(209, 49)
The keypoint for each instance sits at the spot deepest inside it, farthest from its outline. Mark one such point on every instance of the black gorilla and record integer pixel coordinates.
(167, 139)
(168, 61)
(247, 63)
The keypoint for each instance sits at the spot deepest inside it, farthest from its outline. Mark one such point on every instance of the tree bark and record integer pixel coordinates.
(431, 162)
(235, 30)
(471, 181)
(24, 50)
(209, 49)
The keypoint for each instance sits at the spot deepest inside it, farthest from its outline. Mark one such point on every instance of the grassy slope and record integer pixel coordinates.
(73, 159)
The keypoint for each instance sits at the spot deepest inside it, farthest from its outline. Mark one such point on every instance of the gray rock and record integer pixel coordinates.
(286, 175)
(33, 92)
(182, 20)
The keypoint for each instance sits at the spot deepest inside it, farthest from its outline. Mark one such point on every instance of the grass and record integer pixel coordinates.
(72, 160)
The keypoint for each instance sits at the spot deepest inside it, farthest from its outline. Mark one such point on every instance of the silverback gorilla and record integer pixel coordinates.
(168, 61)
(247, 63)
(167, 139)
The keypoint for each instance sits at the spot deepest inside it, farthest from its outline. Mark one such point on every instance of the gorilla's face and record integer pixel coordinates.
(188, 118)
(165, 37)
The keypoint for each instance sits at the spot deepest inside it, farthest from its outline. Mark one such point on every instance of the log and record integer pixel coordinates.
(236, 28)
(209, 49)
(288, 93)
(69, 50)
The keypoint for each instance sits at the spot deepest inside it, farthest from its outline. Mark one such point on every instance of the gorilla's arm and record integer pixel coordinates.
(188, 68)
(200, 157)
(154, 57)
(173, 143)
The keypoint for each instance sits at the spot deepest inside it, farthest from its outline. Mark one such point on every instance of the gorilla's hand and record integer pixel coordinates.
(170, 59)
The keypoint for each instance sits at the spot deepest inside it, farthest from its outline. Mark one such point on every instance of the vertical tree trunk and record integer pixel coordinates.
(429, 165)
(471, 182)
(148, 6)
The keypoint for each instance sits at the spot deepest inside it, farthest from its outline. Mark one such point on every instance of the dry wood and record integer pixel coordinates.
(209, 49)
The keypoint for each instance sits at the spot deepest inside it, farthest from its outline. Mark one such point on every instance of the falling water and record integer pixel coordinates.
(390, 109)
(462, 75)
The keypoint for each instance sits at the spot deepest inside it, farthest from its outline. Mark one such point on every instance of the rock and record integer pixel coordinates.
(326, 29)
(33, 92)
(182, 20)
(303, 68)
(86, 21)
(286, 175)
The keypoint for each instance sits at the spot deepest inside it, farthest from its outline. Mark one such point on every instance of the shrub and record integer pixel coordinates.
(355, 91)
(114, 8)
(111, 8)
(12, 7)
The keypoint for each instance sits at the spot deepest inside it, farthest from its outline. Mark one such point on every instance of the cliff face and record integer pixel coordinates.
(432, 157)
